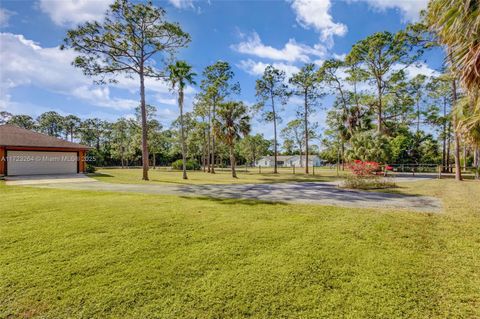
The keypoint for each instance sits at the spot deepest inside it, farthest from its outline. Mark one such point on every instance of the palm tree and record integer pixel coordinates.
(457, 24)
(232, 121)
(180, 75)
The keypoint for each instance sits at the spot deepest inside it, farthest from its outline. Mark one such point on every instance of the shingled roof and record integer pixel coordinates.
(11, 135)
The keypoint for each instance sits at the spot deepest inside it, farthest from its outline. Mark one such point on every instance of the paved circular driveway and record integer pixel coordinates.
(307, 193)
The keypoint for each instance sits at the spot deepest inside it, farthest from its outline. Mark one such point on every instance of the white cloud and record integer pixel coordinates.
(5, 17)
(168, 101)
(291, 52)
(257, 68)
(420, 68)
(182, 4)
(410, 9)
(340, 57)
(25, 63)
(101, 96)
(68, 12)
(316, 14)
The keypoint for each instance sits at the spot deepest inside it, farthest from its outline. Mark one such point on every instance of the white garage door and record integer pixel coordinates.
(36, 163)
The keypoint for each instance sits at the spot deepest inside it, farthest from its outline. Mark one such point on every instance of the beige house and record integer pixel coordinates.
(25, 152)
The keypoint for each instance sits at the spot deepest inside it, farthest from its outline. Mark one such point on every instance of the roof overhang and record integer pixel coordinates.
(41, 148)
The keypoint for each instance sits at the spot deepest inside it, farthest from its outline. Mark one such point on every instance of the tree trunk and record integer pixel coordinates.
(444, 142)
(458, 172)
(301, 156)
(213, 137)
(154, 161)
(204, 154)
(418, 117)
(275, 167)
(209, 135)
(144, 126)
(184, 157)
(343, 155)
(306, 132)
(232, 162)
(449, 143)
(476, 161)
(380, 109)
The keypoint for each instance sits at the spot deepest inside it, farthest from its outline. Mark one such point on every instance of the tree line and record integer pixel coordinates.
(118, 143)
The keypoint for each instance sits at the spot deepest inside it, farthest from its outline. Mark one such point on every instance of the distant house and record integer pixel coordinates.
(289, 161)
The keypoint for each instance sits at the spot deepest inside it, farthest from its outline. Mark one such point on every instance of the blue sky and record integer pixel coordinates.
(36, 77)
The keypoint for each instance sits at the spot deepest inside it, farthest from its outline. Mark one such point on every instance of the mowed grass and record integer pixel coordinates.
(80, 254)
(222, 176)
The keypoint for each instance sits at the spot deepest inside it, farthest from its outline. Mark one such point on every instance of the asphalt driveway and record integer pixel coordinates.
(307, 193)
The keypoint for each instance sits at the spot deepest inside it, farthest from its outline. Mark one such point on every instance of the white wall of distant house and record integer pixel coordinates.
(313, 160)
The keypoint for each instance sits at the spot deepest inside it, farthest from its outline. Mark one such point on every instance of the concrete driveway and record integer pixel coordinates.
(47, 179)
(306, 193)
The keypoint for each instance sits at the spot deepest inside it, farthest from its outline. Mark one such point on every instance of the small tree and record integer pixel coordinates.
(294, 131)
(180, 75)
(253, 146)
(130, 35)
(123, 131)
(233, 121)
(307, 86)
(269, 89)
(216, 85)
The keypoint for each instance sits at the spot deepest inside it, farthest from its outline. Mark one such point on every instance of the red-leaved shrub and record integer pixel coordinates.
(366, 175)
(364, 169)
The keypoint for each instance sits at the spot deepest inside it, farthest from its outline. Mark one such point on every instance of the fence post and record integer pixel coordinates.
(413, 170)
(293, 169)
(313, 170)
(259, 169)
(440, 171)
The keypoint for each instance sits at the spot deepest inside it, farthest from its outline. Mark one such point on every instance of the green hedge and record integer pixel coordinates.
(191, 165)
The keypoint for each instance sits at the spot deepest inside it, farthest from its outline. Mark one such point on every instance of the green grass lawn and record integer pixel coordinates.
(80, 254)
(222, 176)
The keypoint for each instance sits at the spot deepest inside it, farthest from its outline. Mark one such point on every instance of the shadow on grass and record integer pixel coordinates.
(297, 180)
(397, 190)
(234, 201)
(99, 175)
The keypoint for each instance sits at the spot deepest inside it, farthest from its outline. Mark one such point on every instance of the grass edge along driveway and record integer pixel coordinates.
(222, 176)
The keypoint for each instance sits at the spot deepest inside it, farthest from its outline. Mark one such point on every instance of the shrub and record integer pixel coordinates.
(371, 182)
(364, 169)
(364, 176)
(90, 168)
(191, 165)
